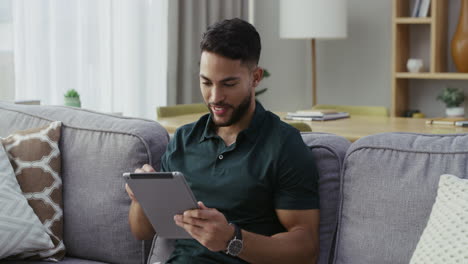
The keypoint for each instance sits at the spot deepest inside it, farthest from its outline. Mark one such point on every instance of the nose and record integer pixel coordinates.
(217, 95)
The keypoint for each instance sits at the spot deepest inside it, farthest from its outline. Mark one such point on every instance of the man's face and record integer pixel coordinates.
(227, 87)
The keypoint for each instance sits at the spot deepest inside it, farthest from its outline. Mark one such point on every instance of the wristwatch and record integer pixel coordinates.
(235, 245)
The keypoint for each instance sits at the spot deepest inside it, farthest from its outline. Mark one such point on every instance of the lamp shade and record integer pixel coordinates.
(313, 19)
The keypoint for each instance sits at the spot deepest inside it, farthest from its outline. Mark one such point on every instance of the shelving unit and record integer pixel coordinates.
(413, 20)
(432, 76)
(401, 23)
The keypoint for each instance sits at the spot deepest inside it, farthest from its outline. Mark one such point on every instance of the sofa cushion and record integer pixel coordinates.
(445, 238)
(66, 260)
(96, 149)
(35, 156)
(329, 151)
(389, 184)
(20, 229)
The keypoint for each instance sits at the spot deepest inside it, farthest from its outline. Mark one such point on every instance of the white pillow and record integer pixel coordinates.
(20, 229)
(445, 238)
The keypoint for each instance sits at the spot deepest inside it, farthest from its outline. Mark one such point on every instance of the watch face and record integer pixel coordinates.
(235, 247)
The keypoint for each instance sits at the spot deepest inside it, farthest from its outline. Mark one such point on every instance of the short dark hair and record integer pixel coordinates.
(234, 39)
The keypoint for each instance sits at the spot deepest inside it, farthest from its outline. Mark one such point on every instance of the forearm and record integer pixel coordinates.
(139, 223)
(295, 246)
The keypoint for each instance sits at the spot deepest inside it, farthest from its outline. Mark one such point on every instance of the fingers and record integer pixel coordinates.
(201, 205)
(194, 230)
(207, 225)
(130, 192)
(148, 168)
(198, 213)
(207, 214)
(145, 168)
(190, 220)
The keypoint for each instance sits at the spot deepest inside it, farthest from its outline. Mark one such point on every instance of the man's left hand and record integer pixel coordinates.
(208, 226)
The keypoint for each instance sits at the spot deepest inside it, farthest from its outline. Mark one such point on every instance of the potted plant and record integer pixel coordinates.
(453, 98)
(72, 98)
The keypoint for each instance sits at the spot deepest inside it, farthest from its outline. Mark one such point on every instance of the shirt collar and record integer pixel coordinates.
(251, 132)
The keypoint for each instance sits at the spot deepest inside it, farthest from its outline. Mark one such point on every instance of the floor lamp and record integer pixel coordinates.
(313, 19)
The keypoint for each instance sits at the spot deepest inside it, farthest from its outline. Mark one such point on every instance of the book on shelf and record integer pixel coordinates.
(448, 121)
(316, 115)
(415, 11)
(424, 8)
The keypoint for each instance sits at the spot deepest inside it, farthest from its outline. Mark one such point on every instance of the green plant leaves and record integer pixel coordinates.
(452, 97)
(72, 93)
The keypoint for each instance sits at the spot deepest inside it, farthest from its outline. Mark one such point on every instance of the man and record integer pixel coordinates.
(253, 173)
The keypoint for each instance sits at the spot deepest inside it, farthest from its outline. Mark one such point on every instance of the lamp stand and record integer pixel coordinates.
(314, 74)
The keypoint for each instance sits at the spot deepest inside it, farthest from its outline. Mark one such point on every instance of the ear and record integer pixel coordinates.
(257, 76)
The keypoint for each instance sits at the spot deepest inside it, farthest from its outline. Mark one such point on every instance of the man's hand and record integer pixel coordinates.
(130, 193)
(208, 226)
(139, 223)
(145, 168)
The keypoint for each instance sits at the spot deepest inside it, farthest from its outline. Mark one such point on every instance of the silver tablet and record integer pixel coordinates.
(163, 195)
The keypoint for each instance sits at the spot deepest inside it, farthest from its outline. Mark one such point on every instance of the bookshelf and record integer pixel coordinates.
(402, 26)
(413, 20)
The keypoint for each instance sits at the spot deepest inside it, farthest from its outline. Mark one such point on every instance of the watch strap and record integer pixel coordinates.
(237, 232)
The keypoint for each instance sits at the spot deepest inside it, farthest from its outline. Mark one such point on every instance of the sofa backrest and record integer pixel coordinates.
(389, 184)
(329, 151)
(96, 149)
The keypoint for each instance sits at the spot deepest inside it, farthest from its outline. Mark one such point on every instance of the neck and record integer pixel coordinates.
(229, 133)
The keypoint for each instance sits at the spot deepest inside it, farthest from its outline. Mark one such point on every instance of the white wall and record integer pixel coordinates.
(356, 70)
(286, 60)
(7, 81)
(352, 71)
(7, 84)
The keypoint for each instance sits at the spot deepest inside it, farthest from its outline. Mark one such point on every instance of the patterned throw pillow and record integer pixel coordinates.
(20, 229)
(445, 238)
(35, 157)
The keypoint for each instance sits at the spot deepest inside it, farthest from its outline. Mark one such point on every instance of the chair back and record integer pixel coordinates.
(181, 109)
(301, 126)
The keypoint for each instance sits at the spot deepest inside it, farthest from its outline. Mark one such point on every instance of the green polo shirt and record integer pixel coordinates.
(268, 167)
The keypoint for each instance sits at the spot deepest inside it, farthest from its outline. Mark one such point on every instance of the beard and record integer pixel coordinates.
(237, 113)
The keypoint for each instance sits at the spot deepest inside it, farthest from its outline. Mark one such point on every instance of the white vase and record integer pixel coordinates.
(414, 65)
(455, 111)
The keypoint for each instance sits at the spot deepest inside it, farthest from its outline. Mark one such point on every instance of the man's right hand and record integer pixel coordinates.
(145, 168)
(139, 223)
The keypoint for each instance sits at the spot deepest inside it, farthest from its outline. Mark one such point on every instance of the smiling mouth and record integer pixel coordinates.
(219, 110)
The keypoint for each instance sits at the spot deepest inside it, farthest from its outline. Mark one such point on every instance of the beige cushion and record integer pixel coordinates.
(445, 238)
(20, 229)
(36, 160)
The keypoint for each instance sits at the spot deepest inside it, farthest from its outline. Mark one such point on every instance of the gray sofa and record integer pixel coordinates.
(96, 149)
(376, 194)
(388, 186)
(375, 209)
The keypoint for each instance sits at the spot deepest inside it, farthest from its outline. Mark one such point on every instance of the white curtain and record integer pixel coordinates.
(113, 52)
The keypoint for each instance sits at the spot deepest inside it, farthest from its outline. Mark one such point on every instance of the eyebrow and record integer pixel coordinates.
(223, 80)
